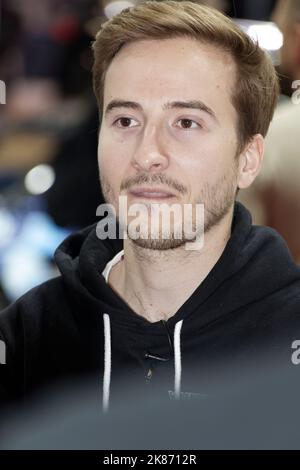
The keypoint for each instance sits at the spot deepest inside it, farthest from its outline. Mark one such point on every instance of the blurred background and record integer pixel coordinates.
(49, 181)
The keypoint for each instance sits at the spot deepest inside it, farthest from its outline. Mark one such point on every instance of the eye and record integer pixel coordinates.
(189, 124)
(125, 122)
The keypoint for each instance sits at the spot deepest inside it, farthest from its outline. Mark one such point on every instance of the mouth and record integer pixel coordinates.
(151, 193)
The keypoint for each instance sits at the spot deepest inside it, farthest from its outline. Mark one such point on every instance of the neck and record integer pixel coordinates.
(156, 283)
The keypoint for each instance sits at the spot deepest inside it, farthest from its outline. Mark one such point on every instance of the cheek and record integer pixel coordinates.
(208, 157)
(112, 165)
(210, 162)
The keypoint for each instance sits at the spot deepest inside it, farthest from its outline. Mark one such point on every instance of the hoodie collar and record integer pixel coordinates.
(251, 253)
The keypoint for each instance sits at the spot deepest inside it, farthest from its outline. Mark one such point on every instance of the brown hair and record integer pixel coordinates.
(256, 90)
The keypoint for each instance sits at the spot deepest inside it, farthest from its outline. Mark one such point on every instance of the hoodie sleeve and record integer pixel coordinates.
(11, 352)
(22, 336)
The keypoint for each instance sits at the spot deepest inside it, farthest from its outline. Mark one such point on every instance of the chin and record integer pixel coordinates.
(158, 244)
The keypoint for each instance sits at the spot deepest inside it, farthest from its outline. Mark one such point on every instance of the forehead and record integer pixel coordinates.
(153, 72)
(177, 68)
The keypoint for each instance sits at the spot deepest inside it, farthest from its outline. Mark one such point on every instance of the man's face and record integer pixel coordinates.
(169, 127)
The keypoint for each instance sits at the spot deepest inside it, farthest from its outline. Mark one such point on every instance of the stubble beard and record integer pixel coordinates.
(218, 200)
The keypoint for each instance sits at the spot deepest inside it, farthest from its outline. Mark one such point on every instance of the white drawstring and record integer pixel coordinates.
(107, 347)
(107, 362)
(177, 359)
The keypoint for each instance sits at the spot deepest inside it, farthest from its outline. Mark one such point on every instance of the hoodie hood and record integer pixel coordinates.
(246, 284)
(243, 318)
(252, 254)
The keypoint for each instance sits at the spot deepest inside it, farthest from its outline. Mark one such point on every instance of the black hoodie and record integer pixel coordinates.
(244, 315)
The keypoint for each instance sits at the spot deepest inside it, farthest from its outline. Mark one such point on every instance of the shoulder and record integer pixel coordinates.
(33, 306)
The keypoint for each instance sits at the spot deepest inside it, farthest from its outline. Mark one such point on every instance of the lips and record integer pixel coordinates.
(151, 193)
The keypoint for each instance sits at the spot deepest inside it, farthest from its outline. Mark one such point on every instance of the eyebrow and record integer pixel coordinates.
(192, 104)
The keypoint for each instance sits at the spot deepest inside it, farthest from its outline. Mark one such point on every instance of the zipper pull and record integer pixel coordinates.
(149, 375)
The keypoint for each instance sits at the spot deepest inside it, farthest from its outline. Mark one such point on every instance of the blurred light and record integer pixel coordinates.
(267, 34)
(269, 37)
(22, 270)
(30, 244)
(8, 227)
(39, 179)
(115, 7)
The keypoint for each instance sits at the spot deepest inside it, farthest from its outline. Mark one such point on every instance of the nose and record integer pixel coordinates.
(150, 153)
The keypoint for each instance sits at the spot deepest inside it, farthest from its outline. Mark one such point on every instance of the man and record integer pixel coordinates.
(274, 199)
(186, 99)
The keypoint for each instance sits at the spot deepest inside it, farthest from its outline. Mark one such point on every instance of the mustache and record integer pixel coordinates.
(162, 179)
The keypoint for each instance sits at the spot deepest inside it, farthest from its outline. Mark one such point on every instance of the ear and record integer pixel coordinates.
(250, 161)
